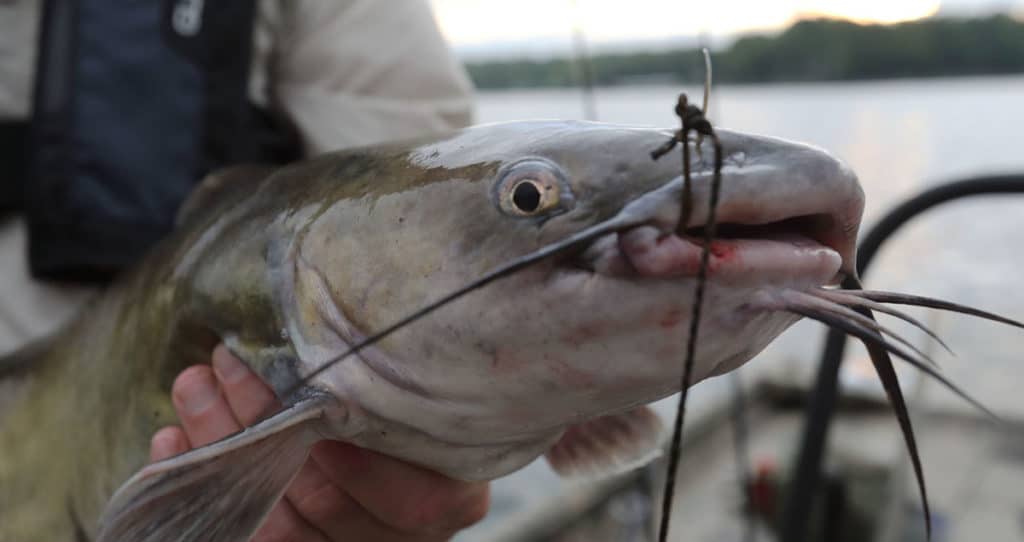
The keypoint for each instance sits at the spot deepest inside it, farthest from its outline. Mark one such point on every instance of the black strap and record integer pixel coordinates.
(135, 102)
(215, 37)
(13, 145)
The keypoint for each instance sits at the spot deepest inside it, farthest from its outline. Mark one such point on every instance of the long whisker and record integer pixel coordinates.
(814, 302)
(866, 334)
(855, 301)
(878, 352)
(919, 301)
(617, 223)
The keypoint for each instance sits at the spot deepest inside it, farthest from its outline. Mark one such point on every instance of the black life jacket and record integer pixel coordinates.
(134, 103)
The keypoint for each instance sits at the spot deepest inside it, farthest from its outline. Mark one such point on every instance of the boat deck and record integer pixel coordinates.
(974, 469)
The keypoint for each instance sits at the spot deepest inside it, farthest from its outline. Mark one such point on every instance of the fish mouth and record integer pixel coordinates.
(788, 213)
(793, 248)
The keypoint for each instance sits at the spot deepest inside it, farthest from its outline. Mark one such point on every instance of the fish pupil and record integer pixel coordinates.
(526, 196)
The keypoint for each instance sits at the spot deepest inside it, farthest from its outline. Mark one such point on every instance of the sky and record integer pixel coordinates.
(539, 27)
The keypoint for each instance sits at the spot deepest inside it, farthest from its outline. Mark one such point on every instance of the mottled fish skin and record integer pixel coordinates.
(290, 268)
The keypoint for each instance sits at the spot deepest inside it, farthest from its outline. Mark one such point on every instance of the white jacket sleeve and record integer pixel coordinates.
(355, 72)
(19, 24)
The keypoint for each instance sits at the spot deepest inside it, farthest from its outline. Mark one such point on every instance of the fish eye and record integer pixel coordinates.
(529, 189)
(528, 195)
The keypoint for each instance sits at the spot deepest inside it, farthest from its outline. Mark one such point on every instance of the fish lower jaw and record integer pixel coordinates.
(647, 252)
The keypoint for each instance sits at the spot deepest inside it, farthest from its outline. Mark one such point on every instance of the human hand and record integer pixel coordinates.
(343, 492)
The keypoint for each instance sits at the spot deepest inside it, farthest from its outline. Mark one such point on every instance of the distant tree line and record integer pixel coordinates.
(810, 50)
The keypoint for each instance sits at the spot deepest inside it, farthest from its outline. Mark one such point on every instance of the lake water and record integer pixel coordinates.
(900, 137)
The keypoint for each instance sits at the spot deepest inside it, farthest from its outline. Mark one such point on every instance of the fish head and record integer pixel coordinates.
(595, 328)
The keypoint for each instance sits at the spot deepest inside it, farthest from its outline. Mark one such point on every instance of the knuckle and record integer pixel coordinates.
(418, 518)
(278, 527)
(326, 504)
(445, 511)
(475, 510)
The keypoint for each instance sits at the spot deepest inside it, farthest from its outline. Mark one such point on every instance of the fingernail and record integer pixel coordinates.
(166, 443)
(198, 393)
(227, 366)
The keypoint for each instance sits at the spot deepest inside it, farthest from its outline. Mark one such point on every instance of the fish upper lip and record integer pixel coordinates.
(767, 254)
(780, 201)
(753, 241)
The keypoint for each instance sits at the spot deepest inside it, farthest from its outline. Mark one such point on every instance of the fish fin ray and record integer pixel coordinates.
(221, 491)
(608, 445)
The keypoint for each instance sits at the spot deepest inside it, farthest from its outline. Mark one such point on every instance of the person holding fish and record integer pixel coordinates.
(343, 492)
(320, 76)
(583, 255)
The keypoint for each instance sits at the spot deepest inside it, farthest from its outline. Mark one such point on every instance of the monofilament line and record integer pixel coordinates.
(692, 120)
(615, 224)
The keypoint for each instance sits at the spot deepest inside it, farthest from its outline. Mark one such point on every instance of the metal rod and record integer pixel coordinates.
(741, 445)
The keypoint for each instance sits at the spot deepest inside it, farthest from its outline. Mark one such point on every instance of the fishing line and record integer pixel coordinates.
(623, 220)
(692, 120)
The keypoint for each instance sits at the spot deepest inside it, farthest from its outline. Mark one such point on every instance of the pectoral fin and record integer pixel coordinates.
(608, 445)
(219, 492)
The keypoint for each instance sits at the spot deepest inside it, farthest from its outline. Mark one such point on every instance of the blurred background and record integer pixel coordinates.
(912, 94)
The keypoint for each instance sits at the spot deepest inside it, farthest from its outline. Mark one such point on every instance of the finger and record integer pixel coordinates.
(336, 514)
(167, 442)
(248, 396)
(283, 524)
(408, 498)
(205, 414)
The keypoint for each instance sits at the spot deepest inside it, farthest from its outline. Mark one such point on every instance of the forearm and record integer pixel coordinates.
(364, 71)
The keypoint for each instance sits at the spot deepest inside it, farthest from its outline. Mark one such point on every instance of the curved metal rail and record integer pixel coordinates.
(822, 404)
